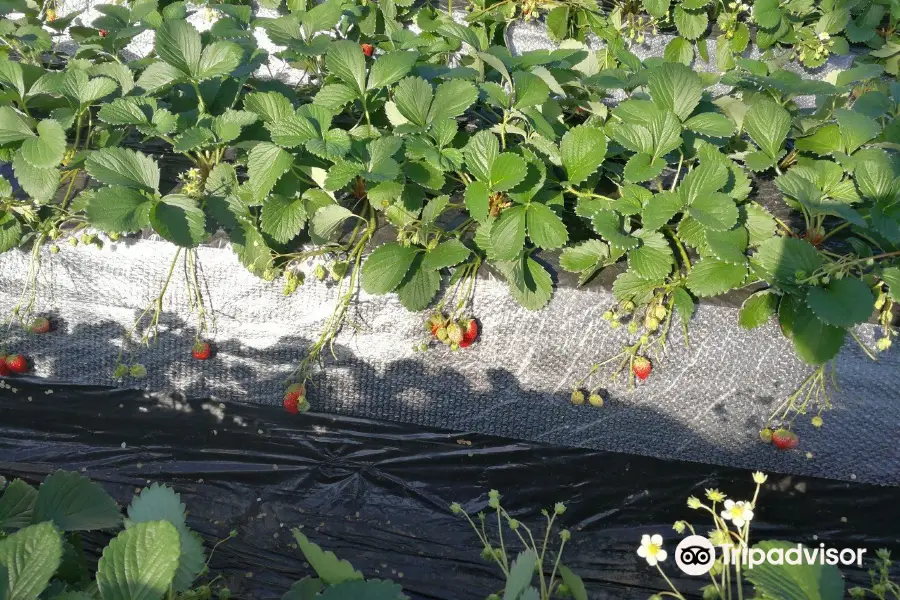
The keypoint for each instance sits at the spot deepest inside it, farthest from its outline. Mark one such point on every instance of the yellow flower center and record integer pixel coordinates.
(652, 550)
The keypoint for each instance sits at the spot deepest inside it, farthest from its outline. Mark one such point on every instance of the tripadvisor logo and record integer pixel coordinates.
(796, 555)
(696, 555)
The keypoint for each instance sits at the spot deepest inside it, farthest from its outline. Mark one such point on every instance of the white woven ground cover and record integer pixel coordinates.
(705, 403)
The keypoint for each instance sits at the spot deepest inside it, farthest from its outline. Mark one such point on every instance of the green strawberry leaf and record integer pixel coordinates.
(653, 259)
(530, 90)
(815, 342)
(451, 99)
(843, 303)
(46, 150)
(345, 60)
(711, 277)
(480, 153)
(419, 286)
(140, 563)
(758, 309)
(266, 163)
(268, 106)
(582, 151)
(13, 126)
(545, 228)
(675, 87)
(508, 233)
(121, 166)
(118, 209)
(390, 68)
(768, 124)
(30, 557)
(507, 171)
(180, 220)
(40, 184)
(178, 43)
(385, 268)
(283, 218)
(446, 254)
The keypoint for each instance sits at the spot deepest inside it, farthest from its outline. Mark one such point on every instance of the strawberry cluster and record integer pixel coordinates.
(456, 334)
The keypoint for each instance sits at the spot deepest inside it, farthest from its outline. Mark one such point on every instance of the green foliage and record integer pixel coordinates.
(40, 550)
(496, 162)
(795, 582)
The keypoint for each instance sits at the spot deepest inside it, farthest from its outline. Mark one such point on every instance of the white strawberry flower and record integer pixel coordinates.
(651, 549)
(824, 36)
(738, 513)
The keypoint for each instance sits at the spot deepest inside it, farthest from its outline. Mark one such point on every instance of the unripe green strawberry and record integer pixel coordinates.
(652, 324)
(766, 435)
(339, 269)
(441, 334)
(660, 312)
(596, 400)
(138, 371)
(577, 397)
(883, 344)
(817, 421)
(454, 333)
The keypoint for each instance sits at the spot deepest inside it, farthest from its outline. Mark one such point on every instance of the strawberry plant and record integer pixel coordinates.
(409, 163)
(156, 555)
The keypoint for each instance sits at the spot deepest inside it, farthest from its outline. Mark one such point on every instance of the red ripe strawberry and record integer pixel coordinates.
(201, 351)
(40, 325)
(103, 33)
(291, 403)
(17, 363)
(785, 439)
(641, 367)
(294, 398)
(470, 333)
(368, 49)
(4, 370)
